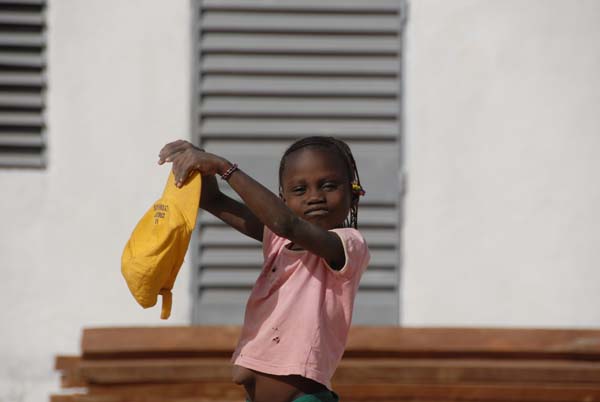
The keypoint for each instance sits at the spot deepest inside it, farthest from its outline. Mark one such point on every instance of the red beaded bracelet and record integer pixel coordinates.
(225, 176)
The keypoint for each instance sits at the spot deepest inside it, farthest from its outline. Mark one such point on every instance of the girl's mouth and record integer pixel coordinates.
(316, 212)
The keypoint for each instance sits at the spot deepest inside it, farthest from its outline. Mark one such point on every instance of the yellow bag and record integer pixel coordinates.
(155, 251)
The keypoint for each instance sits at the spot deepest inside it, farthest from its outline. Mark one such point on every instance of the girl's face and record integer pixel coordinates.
(315, 187)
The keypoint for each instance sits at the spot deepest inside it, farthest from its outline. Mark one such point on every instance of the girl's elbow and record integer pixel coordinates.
(211, 201)
(285, 227)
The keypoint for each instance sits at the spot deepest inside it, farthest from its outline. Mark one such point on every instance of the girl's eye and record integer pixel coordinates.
(329, 186)
(298, 190)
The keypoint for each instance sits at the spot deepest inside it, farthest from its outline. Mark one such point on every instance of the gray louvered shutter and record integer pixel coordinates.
(22, 83)
(270, 72)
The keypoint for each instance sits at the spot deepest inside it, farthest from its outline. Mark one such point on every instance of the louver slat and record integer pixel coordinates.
(22, 83)
(20, 101)
(309, 86)
(352, 24)
(34, 79)
(278, 65)
(294, 6)
(291, 128)
(305, 44)
(20, 140)
(21, 39)
(280, 106)
(270, 72)
(21, 19)
(27, 61)
(18, 119)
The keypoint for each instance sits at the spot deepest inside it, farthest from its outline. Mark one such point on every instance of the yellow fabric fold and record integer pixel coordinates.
(155, 251)
(167, 303)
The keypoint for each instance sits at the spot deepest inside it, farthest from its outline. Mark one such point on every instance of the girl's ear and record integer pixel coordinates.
(281, 194)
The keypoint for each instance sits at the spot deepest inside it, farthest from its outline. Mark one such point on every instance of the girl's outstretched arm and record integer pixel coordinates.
(230, 211)
(273, 212)
(265, 206)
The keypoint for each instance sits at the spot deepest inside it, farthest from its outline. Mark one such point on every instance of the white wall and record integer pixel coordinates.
(119, 88)
(503, 136)
(502, 130)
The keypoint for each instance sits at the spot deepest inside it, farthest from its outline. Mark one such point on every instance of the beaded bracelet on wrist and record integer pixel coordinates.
(225, 176)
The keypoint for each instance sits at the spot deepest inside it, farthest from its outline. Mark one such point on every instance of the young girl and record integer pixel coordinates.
(299, 312)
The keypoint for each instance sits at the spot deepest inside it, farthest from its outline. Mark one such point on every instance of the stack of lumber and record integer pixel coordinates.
(381, 364)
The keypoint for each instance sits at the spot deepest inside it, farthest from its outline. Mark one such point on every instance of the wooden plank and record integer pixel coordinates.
(478, 392)
(66, 362)
(466, 371)
(390, 341)
(70, 368)
(136, 398)
(353, 371)
(213, 390)
(156, 370)
(112, 341)
(357, 393)
(64, 398)
(523, 342)
(72, 379)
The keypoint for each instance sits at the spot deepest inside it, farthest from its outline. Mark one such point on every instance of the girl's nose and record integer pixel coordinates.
(315, 197)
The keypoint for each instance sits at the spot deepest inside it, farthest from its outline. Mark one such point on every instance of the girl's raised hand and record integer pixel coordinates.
(187, 158)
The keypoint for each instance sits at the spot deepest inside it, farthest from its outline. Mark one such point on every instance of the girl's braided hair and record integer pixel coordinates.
(341, 149)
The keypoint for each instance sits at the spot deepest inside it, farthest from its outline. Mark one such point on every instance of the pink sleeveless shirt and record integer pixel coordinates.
(299, 312)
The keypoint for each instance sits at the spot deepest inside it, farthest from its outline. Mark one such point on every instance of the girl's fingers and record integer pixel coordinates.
(185, 158)
(177, 170)
(183, 167)
(170, 149)
(183, 176)
(169, 157)
(166, 149)
(168, 152)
